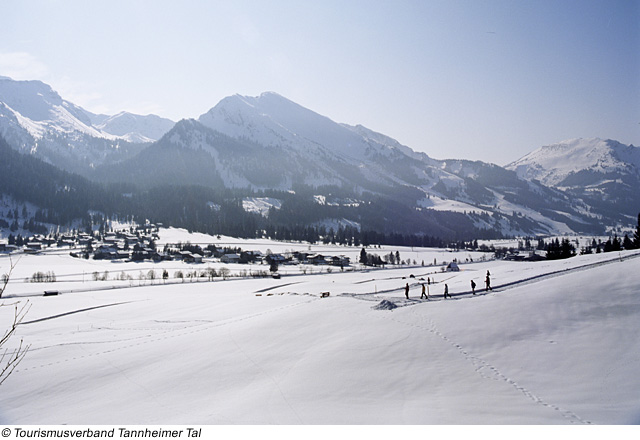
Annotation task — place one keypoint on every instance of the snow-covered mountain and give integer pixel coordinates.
(594, 169)
(134, 128)
(554, 164)
(273, 120)
(270, 142)
(37, 120)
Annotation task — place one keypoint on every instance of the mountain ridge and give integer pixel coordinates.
(269, 142)
(35, 119)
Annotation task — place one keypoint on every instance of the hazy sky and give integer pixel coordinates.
(481, 80)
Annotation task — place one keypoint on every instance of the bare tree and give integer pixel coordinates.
(6, 276)
(10, 358)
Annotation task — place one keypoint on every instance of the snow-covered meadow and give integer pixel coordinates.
(553, 343)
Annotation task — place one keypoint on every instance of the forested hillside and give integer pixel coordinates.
(62, 197)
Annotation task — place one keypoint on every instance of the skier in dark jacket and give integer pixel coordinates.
(424, 292)
(473, 287)
(446, 291)
(406, 290)
(487, 282)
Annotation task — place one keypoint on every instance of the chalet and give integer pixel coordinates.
(535, 257)
(110, 238)
(188, 257)
(230, 258)
(65, 242)
(519, 256)
(84, 241)
(121, 255)
(300, 256)
(340, 260)
(161, 256)
(34, 246)
(8, 248)
(105, 252)
(250, 256)
(316, 259)
(181, 255)
(48, 241)
(453, 267)
(277, 258)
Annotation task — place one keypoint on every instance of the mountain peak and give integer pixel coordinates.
(551, 164)
(268, 94)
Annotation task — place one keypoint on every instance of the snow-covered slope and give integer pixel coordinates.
(136, 128)
(271, 119)
(559, 346)
(604, 173)
(272, 142)
(39, 109)
(552, 164)
(37, 120)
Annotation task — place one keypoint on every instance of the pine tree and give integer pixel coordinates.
(363, 256)
(636, 235)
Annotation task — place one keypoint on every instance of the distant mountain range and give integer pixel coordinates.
(36, 120)
(269, 143)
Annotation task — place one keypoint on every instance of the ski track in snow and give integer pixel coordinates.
(276, 287)
(46, 318)
(173, 333)
(482, 367)
(402, 302)
(495, 374)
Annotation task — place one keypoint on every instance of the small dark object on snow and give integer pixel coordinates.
(276, 276)
(324, 294)
(412, 276)
(51, 292)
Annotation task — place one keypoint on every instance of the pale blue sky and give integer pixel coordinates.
(481, 80)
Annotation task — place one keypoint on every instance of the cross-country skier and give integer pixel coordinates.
(473, 287)
(487, 282)
(406, 290)
(424, 292)
(446, 291)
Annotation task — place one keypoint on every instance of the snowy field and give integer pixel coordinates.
(553, 343)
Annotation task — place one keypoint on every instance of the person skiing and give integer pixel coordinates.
(406, 290)
(487, 282)
(424, 292)
(473, 287)
(446, 291)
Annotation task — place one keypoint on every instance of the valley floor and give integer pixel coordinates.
(552, 343)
